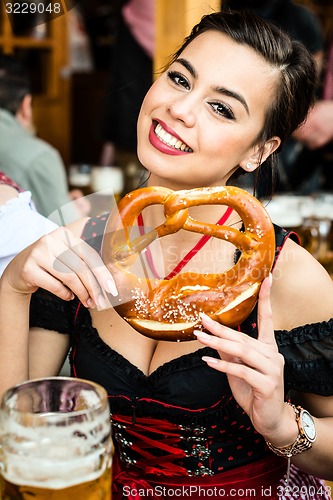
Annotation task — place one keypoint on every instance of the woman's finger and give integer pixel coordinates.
(265, 316)
(241, 352)
(76, 265)
(92, 260)
(63, 265)
(259, 382)
(226, 333)
(79, 284)
(74, 271)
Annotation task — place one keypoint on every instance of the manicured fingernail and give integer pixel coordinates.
(102, 302)
(200, 333)
(207, 318)
(211, 361)
(270, 279)
(90, 303)
(111, 287)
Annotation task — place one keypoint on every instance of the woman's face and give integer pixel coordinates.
(200, 119)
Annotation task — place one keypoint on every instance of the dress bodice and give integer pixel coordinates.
(185, 391)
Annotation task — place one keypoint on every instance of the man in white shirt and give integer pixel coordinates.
(20, 223)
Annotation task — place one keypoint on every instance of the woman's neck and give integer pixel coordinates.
(155, 180)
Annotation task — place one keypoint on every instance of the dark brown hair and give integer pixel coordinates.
(295, 87)
(14, 83)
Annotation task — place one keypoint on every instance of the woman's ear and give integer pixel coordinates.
(259, 154)
(24, 113)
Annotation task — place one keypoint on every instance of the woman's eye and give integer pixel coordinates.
(178, 79)
(223, 110)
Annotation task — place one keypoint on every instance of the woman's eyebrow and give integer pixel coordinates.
(219, 90)
(234, 95)
(188, 66)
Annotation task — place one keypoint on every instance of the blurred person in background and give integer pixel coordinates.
(316, 135)
(31, 162)
(303, 25)
(20, 223)
(131, 75)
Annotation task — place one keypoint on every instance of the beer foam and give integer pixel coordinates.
(89, 398)
(43, 439)
(51, 456)
(54, 473)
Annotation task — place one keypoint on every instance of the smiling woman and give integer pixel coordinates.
(206, 116)
(214, 411)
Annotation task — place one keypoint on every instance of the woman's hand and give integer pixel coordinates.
(317, 130)
(65, 265)
(254, 368)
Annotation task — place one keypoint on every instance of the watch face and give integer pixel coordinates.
(308, 425)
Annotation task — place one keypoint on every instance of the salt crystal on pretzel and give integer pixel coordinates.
(169, 309)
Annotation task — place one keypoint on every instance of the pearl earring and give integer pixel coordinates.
(249, 166)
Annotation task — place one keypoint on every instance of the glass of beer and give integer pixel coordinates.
(55, 441)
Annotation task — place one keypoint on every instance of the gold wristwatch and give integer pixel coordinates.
(306, 435)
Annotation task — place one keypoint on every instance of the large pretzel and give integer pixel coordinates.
(169, 309)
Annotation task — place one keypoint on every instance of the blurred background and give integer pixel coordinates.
(70, 58)
(90, 63)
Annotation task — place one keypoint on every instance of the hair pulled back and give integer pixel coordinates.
(296, 68)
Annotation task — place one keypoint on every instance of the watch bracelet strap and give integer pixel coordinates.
(298, 446)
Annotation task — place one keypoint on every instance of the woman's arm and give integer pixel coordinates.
(7, 193)
(318, 461)
(43, 344)
(14, 338)
(302, 292)
(64, 265)
(305, 292)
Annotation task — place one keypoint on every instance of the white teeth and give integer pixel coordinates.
(170, 140)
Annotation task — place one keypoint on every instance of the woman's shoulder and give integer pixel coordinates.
(302, 290)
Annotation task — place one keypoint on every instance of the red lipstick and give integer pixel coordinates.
(160, 145)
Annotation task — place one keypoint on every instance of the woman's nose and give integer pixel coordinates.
(183, 109)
